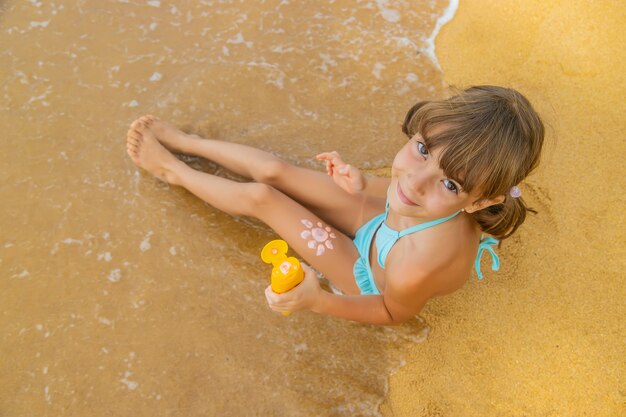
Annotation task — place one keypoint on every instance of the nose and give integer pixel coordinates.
(420, 181)
(417, 183)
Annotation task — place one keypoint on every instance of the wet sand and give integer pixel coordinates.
(545, 335)
(122, 296)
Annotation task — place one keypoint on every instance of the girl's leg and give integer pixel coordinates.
(313, 189)
(325, 248)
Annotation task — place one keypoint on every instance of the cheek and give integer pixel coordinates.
(444, 203)
(403, 159)
(437, 202)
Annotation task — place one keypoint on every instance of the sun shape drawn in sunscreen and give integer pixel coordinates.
(317, 238)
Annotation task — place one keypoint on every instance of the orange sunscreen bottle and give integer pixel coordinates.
(287, 272)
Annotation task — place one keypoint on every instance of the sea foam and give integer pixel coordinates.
(447, 15)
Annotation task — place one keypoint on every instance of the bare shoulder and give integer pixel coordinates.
(407, 291)
(429, 263)
(436, 262)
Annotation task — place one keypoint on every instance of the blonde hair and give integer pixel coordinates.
(491, 139)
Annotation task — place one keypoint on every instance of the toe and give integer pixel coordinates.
(144, 130)
(141, 127)
(134, 137)
(135, 123)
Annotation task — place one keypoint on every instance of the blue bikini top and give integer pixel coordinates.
(386, 237)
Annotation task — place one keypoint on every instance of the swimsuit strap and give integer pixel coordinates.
(386, 237)
(486, 244)
(420, 226)
(426, 225)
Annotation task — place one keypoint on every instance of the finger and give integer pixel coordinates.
(324, 156)
(334, 156)
(337, 161)
(328, 155)
(310, 275)
(269, 295)
(275, 301)
(327, 158)
(352, 172)
(329, 167)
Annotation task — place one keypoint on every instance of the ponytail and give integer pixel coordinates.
(502, 220)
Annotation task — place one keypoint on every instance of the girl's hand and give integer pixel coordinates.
(302, 297)
(345, 176)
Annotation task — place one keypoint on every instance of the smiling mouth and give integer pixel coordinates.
(406, 200)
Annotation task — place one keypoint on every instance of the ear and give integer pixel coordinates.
(484, 203)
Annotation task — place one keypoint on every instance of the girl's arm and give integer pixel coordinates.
(395, 307)
(351, 179)
(368, 309)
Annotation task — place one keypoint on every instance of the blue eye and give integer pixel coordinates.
(450, 186)
(421, 148)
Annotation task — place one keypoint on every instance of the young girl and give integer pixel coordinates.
(389, 244)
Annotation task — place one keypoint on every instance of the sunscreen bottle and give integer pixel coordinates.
(286, 271)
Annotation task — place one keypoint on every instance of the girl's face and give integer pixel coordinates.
(419, 187)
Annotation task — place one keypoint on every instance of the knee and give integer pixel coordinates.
(272, 171)
(258, 196)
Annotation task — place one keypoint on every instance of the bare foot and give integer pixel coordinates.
(172, 138)
(149, 154)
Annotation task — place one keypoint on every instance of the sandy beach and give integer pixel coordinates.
(545, 335)
(123, 296)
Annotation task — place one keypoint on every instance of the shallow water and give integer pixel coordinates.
(122, 295)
